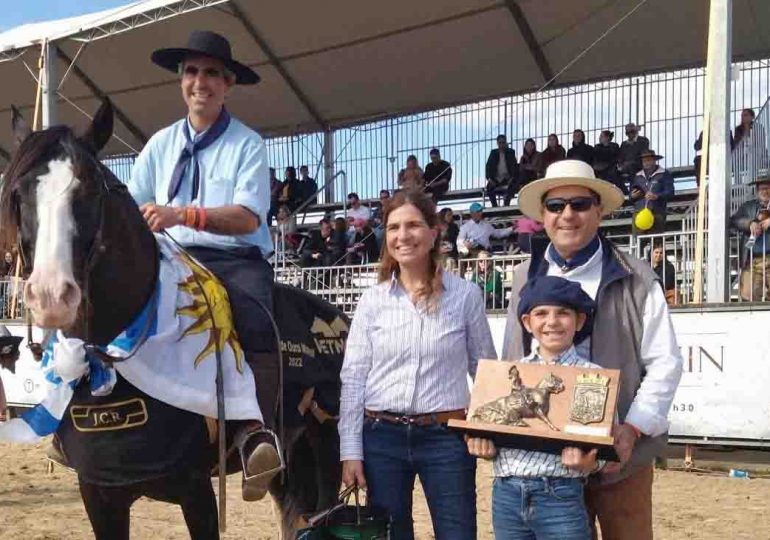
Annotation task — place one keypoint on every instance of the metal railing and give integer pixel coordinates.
(343, 285)
(10, 287)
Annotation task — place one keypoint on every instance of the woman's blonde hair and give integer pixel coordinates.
(429, 294)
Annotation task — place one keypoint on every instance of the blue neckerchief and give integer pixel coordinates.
(188, 154)
(580, 258)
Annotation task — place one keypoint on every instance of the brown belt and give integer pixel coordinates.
(429, 419)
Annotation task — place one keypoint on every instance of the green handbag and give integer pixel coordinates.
(347, 522)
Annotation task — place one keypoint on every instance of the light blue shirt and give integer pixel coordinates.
(233, 170)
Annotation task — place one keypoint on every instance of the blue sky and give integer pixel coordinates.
(17, 12)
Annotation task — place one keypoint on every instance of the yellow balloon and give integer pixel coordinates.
(644, 220)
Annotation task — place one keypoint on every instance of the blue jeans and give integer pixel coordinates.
(394, 454)
(539, 508)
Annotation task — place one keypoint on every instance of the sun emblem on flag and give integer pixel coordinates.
(218, 321)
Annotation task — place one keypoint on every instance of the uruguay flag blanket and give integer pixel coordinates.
(172, 347)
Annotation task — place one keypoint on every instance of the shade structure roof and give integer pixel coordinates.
(330, 64)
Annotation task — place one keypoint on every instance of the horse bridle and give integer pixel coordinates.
(98, 247)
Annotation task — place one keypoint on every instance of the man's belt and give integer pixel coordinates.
(429, 419)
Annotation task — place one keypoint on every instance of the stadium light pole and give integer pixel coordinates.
(718, 65)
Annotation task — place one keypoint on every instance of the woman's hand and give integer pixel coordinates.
(575, 458)
(481, 448)
(353, 473)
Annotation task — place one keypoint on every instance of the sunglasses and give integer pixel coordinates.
(578, 204)
(211, 73)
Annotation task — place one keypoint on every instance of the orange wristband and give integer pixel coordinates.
(189, 219)
(201, 219)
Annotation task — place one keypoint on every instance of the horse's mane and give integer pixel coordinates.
(39, 147)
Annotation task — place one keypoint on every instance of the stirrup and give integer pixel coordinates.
(244, 458)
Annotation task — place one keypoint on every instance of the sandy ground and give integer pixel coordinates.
(35, 505)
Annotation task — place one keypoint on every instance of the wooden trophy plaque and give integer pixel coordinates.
(543, 407)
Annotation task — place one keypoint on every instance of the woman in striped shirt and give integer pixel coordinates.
(415, 338)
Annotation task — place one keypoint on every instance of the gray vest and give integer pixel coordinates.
(615, 342)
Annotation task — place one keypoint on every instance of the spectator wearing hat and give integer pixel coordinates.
(630, 157)
(416, 336)
(579, 149)
(557, 313)
(652, 188)
(437, 175)
(411, 177)
(501, 170)
(475, 233)
(553, 152)
(752, 221)
(632, 332)
(527, 164)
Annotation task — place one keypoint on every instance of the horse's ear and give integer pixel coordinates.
(99, 132)
(19, 127)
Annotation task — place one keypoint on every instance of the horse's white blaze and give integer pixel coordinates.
(52, 293)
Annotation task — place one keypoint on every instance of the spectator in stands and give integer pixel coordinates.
(308, 186)
(570, 202)
(630, 160)
(411, 177)
(276, 186)
(752, 220)
(475, 233)
(363, 249)
(652, 188)
(318, 249)
(393, 412)
(285, 231)
(448, 238)
(340, 241)
(291, 194)
(665, 271)
(489, 279)
(501, 170)
(553, 153)
(356, 210)
(8, 267)
(606, 155)
(698, 146)
(377, 213)
(746, 127)
(528, 164)
(437, 175)
(580, 150)
(527, 231)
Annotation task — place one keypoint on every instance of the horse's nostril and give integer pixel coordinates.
(70, 294)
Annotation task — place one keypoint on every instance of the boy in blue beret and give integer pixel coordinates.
(538, 495)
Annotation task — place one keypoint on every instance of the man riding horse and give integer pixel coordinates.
(204, 180)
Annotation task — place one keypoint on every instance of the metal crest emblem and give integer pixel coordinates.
(590, 398)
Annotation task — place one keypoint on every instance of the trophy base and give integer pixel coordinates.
(526, 438)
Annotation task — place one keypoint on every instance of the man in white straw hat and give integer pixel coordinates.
(632, 332)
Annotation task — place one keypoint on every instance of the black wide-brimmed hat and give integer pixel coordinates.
(9, 344)
(206, 43)
(762, 178)
(650, 153)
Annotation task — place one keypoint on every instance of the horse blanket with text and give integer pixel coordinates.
(171, 345)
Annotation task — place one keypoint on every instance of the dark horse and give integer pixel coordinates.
(93, 265)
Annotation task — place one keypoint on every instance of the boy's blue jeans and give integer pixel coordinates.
(539, 508)
(394, 454)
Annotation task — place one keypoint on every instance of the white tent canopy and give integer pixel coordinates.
(330, 64)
